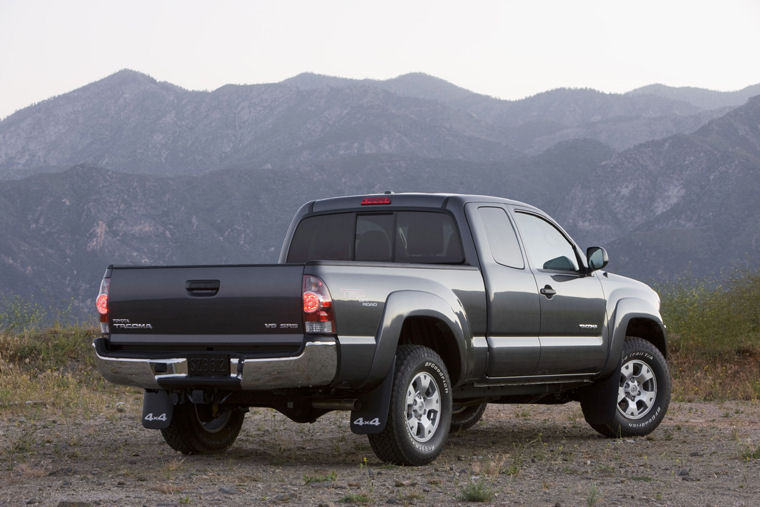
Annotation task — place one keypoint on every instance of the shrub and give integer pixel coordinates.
(477, 491)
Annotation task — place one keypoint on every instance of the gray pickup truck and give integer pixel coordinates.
(413, 311)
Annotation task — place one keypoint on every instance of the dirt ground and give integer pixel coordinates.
(702, 454)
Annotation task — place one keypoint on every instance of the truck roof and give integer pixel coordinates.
(406, 200)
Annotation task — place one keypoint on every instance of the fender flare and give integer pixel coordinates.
(627, 309)
(403, 304)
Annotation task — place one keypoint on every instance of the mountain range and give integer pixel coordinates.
(129, 170)
(129, 122)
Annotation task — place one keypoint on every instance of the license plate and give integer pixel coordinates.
(208, 366)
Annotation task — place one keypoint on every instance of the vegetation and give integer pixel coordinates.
(329, 477)
(355, 498)
(714, 338)
(16, 314)
(54, 367)
(751, 453)
(592, 497)
(477, 491)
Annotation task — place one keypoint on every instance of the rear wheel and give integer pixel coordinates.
(643, 393)
(198, 429)
(420, 409)
(466, 416)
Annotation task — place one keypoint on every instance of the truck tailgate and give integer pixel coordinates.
(214, 305)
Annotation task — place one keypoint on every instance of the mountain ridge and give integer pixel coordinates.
(701, 97)
(679, 205)
(699, 192)
(130, 122)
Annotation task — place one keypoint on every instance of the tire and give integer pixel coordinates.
(466, 417)
(420, 409)
(643, 393)
(203, 429)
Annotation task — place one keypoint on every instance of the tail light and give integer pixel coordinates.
(101, 302)
(318, 316)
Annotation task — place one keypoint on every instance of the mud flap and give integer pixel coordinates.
(158, 409)
(597, 412)
(372, 414)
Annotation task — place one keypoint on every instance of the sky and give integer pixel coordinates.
(506, 49)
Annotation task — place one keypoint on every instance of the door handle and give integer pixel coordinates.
(548, 291)
(202, 288)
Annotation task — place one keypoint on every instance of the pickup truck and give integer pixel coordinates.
(412, 311)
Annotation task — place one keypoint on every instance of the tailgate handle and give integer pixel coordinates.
(202, 288)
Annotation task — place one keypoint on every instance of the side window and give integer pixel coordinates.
(374, 234)
(427, 237)
(323, 237)
(545, 246)
(501, 237)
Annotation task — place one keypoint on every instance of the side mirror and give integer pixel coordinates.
(597, 258)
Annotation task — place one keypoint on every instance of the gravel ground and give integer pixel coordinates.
(702, 454)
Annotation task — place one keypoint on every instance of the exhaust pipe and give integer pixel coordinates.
(351, 404)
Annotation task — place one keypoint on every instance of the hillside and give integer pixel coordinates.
(129, 122)
(62, 229)
(680, 205)
(536, 123)
(700, 97)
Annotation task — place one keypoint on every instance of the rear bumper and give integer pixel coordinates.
(316, 365)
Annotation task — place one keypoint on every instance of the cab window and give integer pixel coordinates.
(546, 247)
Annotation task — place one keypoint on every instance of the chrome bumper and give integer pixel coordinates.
(315, 366)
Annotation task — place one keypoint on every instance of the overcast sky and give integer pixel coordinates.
(507, 49)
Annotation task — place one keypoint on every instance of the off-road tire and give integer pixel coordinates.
(640, 360)
(396, 444)
(466, 417)
(188, 434)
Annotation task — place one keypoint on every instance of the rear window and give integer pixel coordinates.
(427, 237)
(324, 237)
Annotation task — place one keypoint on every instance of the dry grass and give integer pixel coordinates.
(477, 491)
(714, 339)
(701, 378)
(55, 369)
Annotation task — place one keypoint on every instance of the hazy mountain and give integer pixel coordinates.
(214, 177)
(415, 84)
(535, 123)
(60, 230)
(700, 97)
(563, 106)
(685, 204)
(132, 123)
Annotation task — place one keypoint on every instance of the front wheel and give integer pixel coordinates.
(199, 429)
(642, 396)
(420, 409)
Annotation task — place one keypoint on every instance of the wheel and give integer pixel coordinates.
(420, 409)
(643, 393)
(198, 429)
(464, 417)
